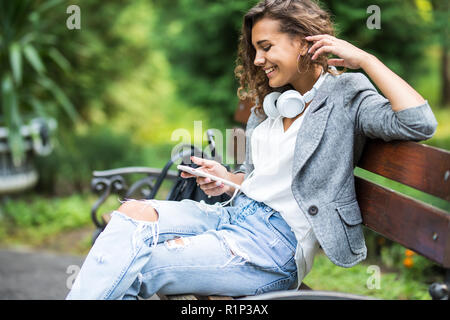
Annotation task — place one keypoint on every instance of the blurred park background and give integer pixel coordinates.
(135, 71)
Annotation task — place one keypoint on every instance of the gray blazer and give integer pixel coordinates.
(345, 112)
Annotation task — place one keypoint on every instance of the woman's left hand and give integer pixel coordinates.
(349, 56)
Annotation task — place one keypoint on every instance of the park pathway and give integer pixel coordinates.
(35, 275)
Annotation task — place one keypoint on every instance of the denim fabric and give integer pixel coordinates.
(244, 249)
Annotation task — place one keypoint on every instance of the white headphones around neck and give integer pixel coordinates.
(290, 103)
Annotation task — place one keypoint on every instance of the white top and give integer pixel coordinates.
(270, 182)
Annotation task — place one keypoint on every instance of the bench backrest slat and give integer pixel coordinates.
(242, 112)
(416, 165)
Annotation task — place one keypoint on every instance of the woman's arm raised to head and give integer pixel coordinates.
(399, 93)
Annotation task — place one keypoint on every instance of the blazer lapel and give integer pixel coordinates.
(313, 127)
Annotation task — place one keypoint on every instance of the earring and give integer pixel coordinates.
(298, 61)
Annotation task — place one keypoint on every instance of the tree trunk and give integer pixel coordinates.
(445, 77)
(440, 16)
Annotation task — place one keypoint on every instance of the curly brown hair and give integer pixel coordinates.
(296, 18)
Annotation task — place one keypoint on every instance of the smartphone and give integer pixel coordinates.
(203, 174)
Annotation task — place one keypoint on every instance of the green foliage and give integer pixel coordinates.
(122, 77)
(30, 60)
(69, 168)
(109, 46)
(422, 269)
(401, 41)
(38, 212)
(200, 39)
(428, 84)
(438, 15)
(34, 218)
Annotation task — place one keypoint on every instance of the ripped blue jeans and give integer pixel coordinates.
(244, 249)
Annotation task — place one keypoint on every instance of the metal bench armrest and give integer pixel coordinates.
(113, 181)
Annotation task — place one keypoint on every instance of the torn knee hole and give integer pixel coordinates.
(139, 210)
(177, 243)
(235, 250)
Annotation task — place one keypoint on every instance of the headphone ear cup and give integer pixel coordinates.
(269, 105)
(290, 104)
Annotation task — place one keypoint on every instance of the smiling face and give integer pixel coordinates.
(276, 53)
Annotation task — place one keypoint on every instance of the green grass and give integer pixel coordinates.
(392, 285)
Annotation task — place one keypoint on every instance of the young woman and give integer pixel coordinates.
(297, 188)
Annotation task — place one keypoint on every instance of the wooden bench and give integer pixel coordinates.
(417, 226)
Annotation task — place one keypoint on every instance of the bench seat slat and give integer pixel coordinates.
(402, 219)
(178, 297)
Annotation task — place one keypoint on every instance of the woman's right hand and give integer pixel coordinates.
(211, 188)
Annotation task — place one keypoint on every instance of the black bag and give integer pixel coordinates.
(186, 188)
